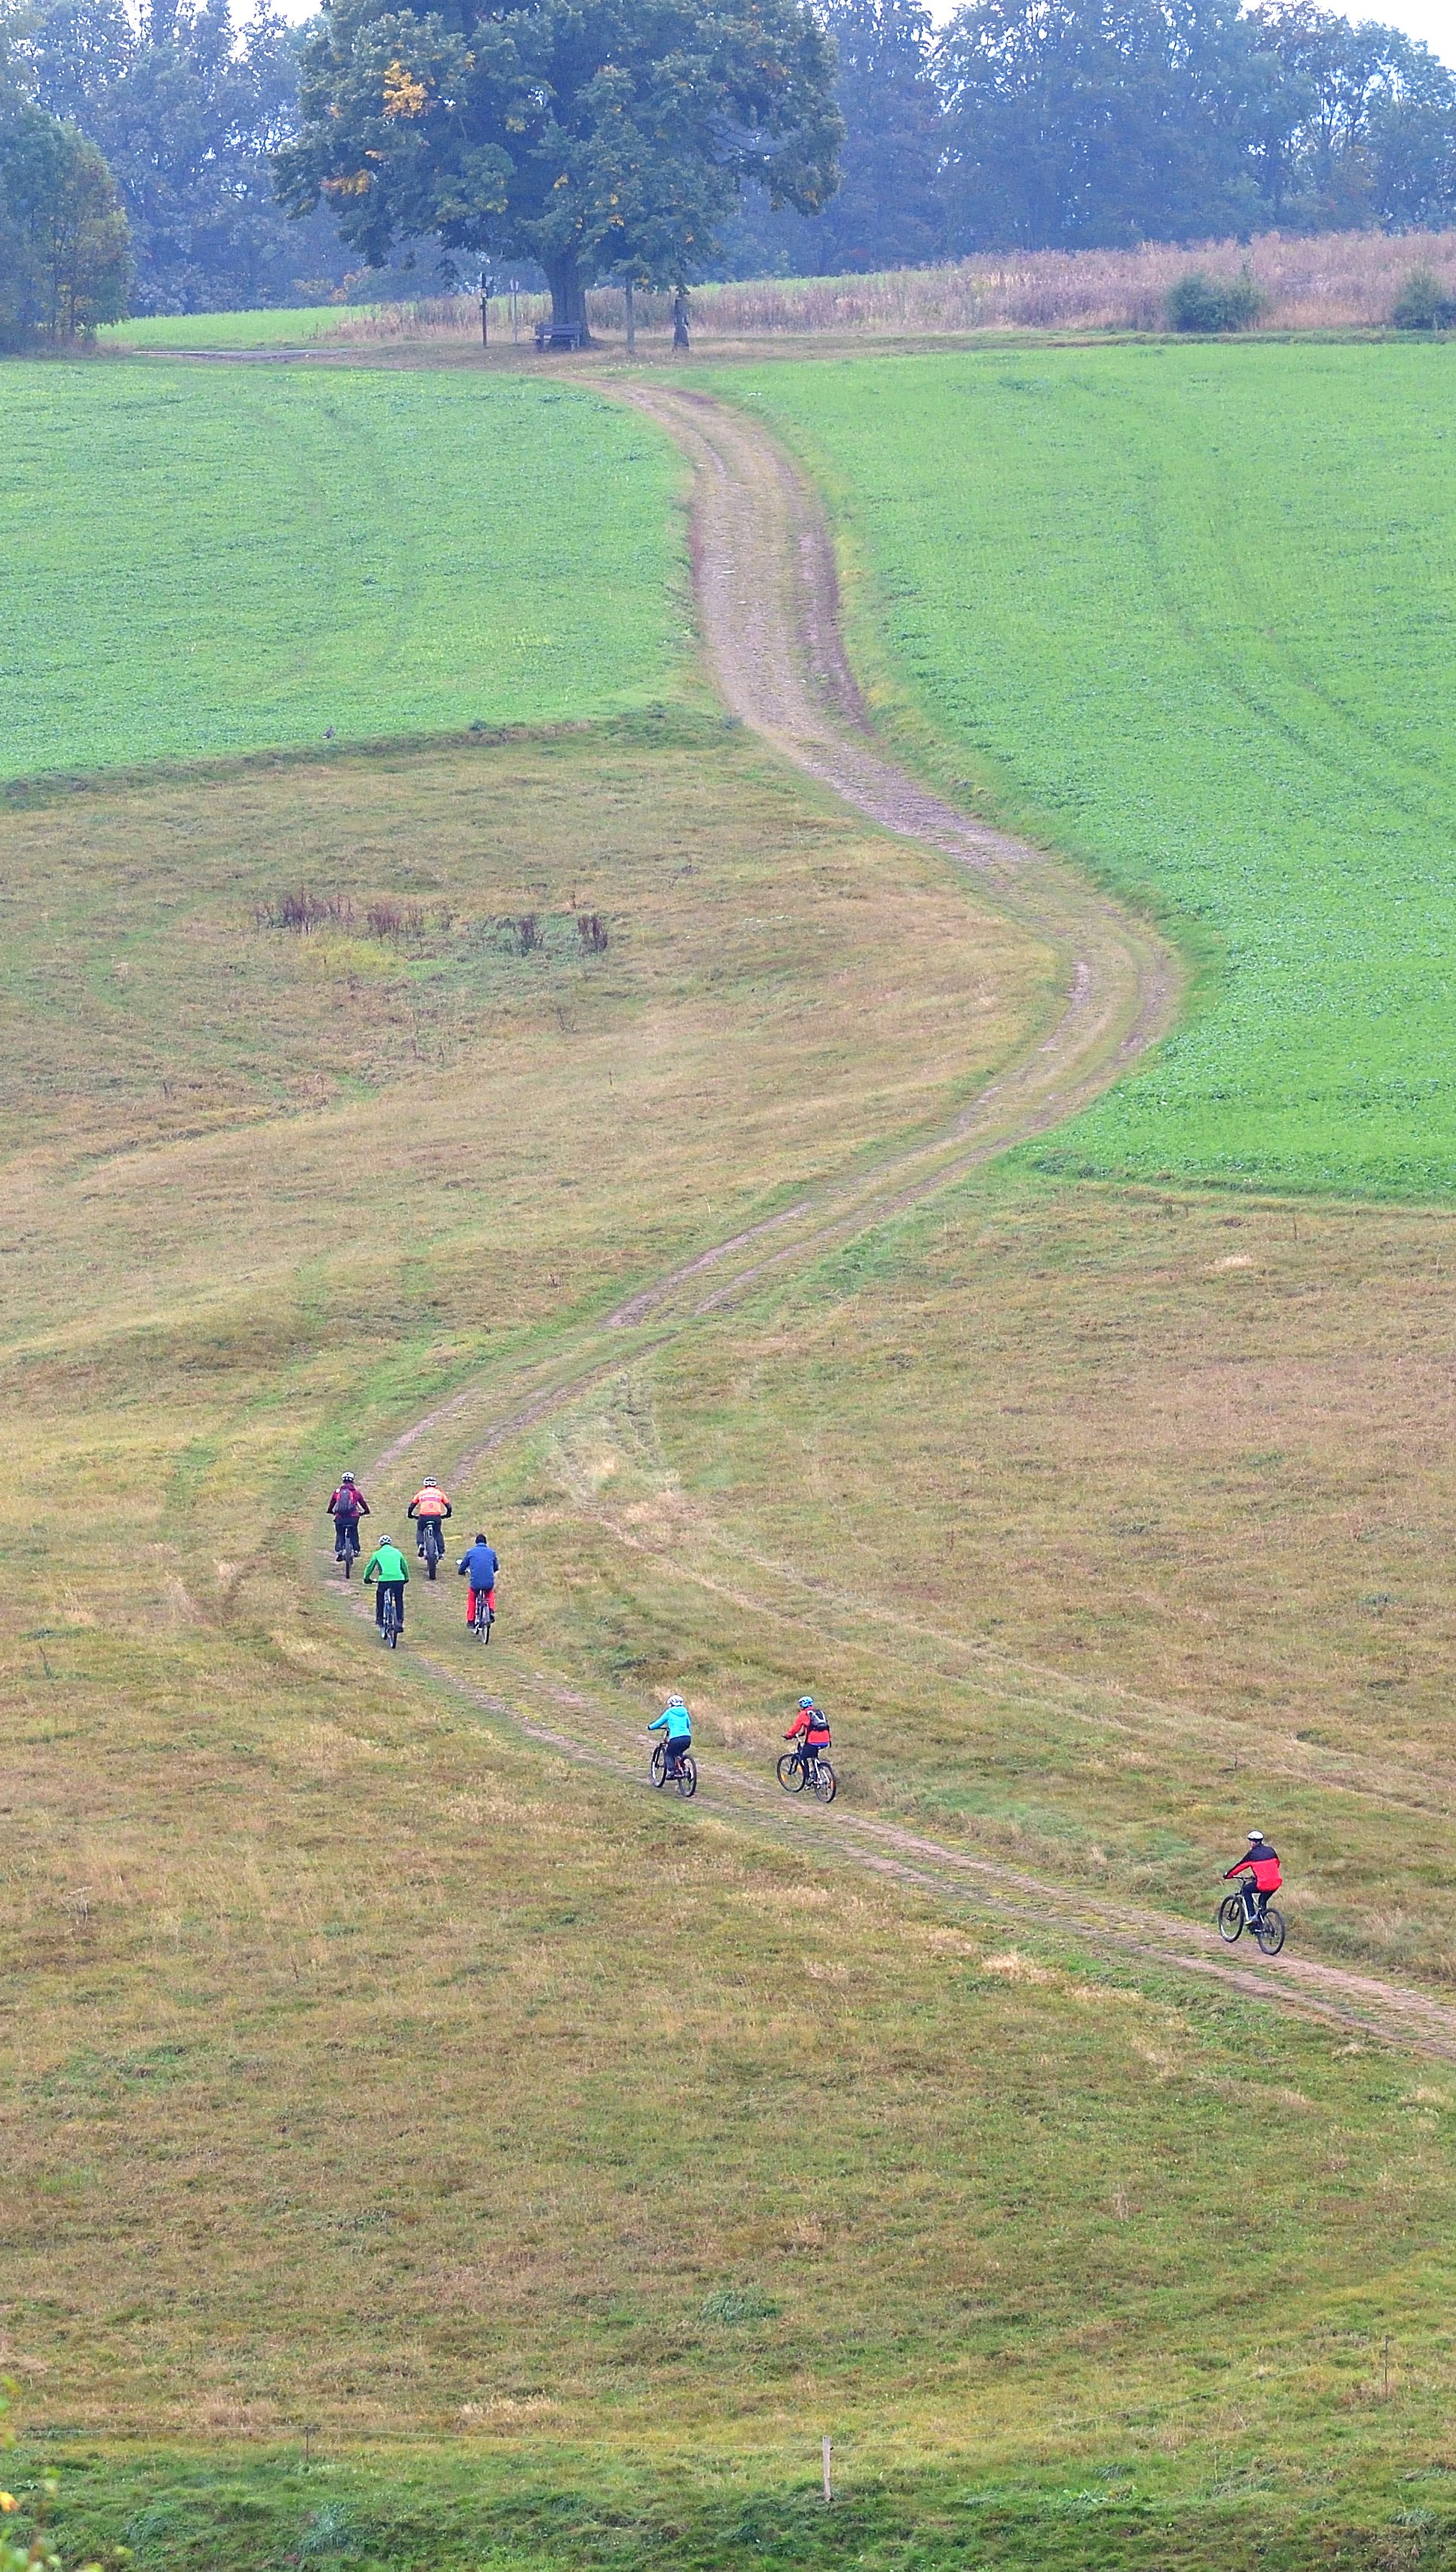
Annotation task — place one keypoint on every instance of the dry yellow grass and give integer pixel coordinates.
(365, 2065)
(1312, 281)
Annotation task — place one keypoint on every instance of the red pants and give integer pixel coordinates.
(470, 1604)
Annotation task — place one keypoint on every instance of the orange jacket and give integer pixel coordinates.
(429, 1503)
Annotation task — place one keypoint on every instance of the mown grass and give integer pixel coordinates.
(239, 558)
(1186, 612)
(370, 2068)
(273, 329)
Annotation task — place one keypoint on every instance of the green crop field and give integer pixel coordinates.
(270, 328)
(1190, 612)
(221, 560)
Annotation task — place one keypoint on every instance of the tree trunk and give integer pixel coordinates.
(569, 297)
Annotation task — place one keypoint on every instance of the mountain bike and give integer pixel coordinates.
(433, 1546)
(483, 1619)
(390, 1621)
(1240, 1911)
(685, 1775)
(800, 1768)
(346, 1547)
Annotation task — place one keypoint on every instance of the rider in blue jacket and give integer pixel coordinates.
(675, 1721)
(479, 1566)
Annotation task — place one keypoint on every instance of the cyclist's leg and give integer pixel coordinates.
(399, 1604)
(380, 1588)
(470, 1606)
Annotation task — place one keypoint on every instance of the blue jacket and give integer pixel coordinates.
(480, 1567)
(677, 1720)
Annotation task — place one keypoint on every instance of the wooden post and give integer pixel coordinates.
(828, 2447)
(485, 313)
(630, 293)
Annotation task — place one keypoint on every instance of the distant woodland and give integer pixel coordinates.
(1022, 124)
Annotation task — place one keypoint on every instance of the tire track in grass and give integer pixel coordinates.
(1004, 1898)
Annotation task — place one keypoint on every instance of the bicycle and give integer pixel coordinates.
(800, 1768)
(346, 1549)
(390, 1621)
(685, 1773)
(433, 1546)
(1240, 1911)
(483, 1619)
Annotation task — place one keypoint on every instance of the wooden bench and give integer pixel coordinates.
(558, 335)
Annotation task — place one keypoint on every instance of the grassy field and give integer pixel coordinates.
(203, 562)
(1187, 611)
(569, 2162)
(263, 330)
(423, 2150)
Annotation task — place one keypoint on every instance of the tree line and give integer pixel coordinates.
(191, 162)
(1098, 124)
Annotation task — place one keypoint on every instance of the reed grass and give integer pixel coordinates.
(1321, 282)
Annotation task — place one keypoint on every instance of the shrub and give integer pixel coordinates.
(592, 931)
(528, 933)
(303, 910)
(1197, 302)
(1424, 304)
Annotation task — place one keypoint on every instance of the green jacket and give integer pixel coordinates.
(388, 1563)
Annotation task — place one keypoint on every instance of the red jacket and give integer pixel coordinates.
(813, 1727)
(1262, 1865)
(350, 1503)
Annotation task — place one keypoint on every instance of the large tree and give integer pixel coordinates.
(887, 212)
(189, 111)
(1078, 123)
(1359, 127)
(595, 136)
(65, 261)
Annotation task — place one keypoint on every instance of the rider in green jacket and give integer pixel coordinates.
(387, 1565)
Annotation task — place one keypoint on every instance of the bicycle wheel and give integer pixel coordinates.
(432, 1555)
(827, 1784)
(687, 1778)
(657, 1767)
(791, 1772)
(1231, 1919)
(1269, 1929)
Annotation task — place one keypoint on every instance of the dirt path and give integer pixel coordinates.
(1005, 1896)
(765, 575)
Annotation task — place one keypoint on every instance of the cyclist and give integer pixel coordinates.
(479, 1566)
(387, 1565)
(346, 1506)
(429, 1503)
(1261, 1866)
(676, 1723)
(811, 1730)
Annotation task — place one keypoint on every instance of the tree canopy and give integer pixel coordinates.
(65, 257)
(593, 137)
(1078, 123)
(189, 112)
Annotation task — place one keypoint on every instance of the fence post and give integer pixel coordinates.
(630, 319)
(828, 2446)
